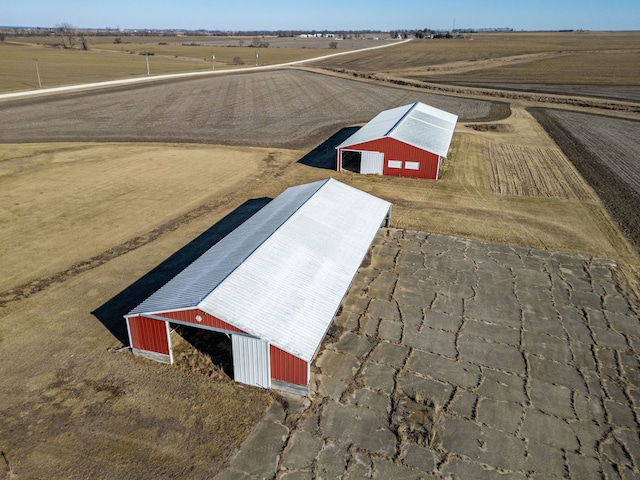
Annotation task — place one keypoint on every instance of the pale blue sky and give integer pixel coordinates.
(325, 14)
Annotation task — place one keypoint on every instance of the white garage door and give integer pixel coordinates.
(251, 361)
(371, 162)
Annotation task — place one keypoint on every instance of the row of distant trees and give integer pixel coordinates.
(71, 36)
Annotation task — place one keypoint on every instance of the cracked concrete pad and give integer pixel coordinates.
(338, 365)
(525, 383)
(358, 426)
(448, 370)
(390, 331)
(354, 344)
(379, 377)
(421, 458)
(491, 331)
(556, 373)
(329, 387)
(413, 385)
(383, 309)
(552, 399)
(502, 386)
(385, 470)
(503, 416)
(434, 341)
(539, 427)
(362, 397)
(259, 455)
(301, 451)
(491, 354)
(494, 308)
(443, 321)
(389, 354)
(332, 461)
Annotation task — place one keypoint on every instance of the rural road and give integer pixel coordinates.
(173, 76)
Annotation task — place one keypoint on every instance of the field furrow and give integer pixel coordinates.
(281, 109)
(534, 171)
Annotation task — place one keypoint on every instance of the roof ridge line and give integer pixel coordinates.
(244, 259)
(401, 119)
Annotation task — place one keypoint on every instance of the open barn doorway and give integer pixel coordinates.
(351, 161)
(205, 351)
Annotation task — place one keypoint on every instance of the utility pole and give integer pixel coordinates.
(38, 73)
(147, 58)
(213, 59)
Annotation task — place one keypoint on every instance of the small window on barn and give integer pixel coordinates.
(412, 165)
(395, 164)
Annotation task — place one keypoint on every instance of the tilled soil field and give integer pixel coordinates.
(278, 109)
(616, 92)
(534, 171)
(605, 152)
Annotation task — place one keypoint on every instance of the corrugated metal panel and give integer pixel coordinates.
(251, 361)
(199, 318)
(287, 368)
(371, 162)
(148, 334)
(420, 125)
(195, 282)
(378, 127)
(288, 290)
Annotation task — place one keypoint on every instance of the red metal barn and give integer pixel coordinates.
(273, 285)
(408, 141)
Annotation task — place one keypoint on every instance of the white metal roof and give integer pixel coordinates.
(282, 274)
(420, 125)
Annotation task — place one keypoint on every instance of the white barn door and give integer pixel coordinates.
(251, 361)
(371, 162)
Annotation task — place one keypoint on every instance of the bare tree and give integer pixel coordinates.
(67, 33)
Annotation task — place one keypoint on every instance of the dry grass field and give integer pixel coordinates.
(107, 60)
(477, 52)
(88, 227)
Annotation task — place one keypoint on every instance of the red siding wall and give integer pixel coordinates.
(395, 150)
(149, 334)
(287, 368)
(189, 316)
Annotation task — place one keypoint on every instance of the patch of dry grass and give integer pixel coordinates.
(577, 68)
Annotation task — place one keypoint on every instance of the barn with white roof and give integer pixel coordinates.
(408, 141)
(274, 284)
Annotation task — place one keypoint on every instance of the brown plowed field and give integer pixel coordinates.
(605, 152)
(534, 171)
(279, 109)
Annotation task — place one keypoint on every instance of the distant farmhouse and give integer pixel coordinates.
(408, 141)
